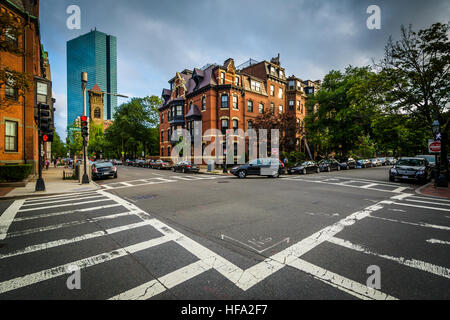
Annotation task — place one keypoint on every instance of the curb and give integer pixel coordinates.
(419, 191)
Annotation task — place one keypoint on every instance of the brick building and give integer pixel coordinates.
(224, 97)
(18, 132)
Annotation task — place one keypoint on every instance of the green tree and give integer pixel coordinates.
(59, 148)
(418, 68)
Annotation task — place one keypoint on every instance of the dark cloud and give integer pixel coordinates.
(157, 38)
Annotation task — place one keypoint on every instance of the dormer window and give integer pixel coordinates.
(256, 86)
(236, 81)
(222, 78)
(203, 103)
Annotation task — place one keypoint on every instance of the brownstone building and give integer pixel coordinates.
(224, 97)
(18, 131)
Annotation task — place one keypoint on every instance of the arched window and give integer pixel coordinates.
(97, 113)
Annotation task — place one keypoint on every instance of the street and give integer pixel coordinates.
(153, 234)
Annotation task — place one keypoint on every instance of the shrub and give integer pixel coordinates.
(14, 173)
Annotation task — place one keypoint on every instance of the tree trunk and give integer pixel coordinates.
(444, 158)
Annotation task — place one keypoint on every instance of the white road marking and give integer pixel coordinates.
(434, 241)
(26, 204)
(157, 286)
(254, 249)
(429, 202)
(368, 186)
(57, 243)
(413, 263)
(344, 284)
(401, 196)
(62, 196)
(65, 225)
(8, 217)
(431, 198)
(64, 205)
(47, 215)
(419, 224)
(400, 190)
(51, 273)
(422, 207)
(127, 184)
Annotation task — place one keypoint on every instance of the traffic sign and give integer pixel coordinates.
(434, 147)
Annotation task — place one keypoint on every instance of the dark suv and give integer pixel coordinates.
(416, 169)
(269, 167)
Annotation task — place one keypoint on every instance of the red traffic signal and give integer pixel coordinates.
(83, 118)
(45, 138)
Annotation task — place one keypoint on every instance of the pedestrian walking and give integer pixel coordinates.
(47, 164)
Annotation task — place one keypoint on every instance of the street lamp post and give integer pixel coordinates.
(440, 179)
(84, 80)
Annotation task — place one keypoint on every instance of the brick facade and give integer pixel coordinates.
(20, 111)
(223, 94)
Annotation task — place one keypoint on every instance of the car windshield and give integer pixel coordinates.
(411, 162)
(104, 165)
(431, 159)
(305, 163)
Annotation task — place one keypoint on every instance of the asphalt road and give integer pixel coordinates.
(154, 234)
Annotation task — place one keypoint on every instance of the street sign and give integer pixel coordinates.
(434, 147)
(275, 151)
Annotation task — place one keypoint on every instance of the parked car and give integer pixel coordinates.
(129, 162)
(415, 169)
(185, 167)
(392, 161)
(103, 170)
(376, 162)
(161, 165)
(304, 168)
(259, 167)
(347, 164)
(430, 158)
(148, 163)
(329, 165)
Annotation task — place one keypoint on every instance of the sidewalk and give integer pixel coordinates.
(431, 190)
(54, 184)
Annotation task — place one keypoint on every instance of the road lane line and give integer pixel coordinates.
(434, 241)
(51, 273)
(169, 281)
(65, 225)
(59, 201)
(418, 224)
(8, 217)
(47, 215)
(64, 205)
(401, 196)
(412, 263)
(62, 242)
(422, 207)
(339, 282)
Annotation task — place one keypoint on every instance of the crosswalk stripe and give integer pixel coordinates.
(434, 241)
(51, 273)
(8, 217)
(57, 243)
(400, 189)
(71, 195)
(64, 205)
(59, 201)
(344, 284)
(431, 198)
(425, 225)
(422, 207)
(413, 263)
(421, 201)
(47, 215)
(157, 286)
(65, 225)
(369, 186)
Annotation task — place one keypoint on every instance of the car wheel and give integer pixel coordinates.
(304, 171)
(276, 175)
(242, 174)
(173, 169)
(391, 179)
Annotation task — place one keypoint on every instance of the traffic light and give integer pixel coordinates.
(84, 127)
(44, 118)
(47, 137)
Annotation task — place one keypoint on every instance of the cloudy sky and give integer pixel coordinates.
(156, 38)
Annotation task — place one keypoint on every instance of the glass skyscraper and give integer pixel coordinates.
(96, 54)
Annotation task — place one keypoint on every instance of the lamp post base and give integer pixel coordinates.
(40, 185)
(442, 181)
(85, 179)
